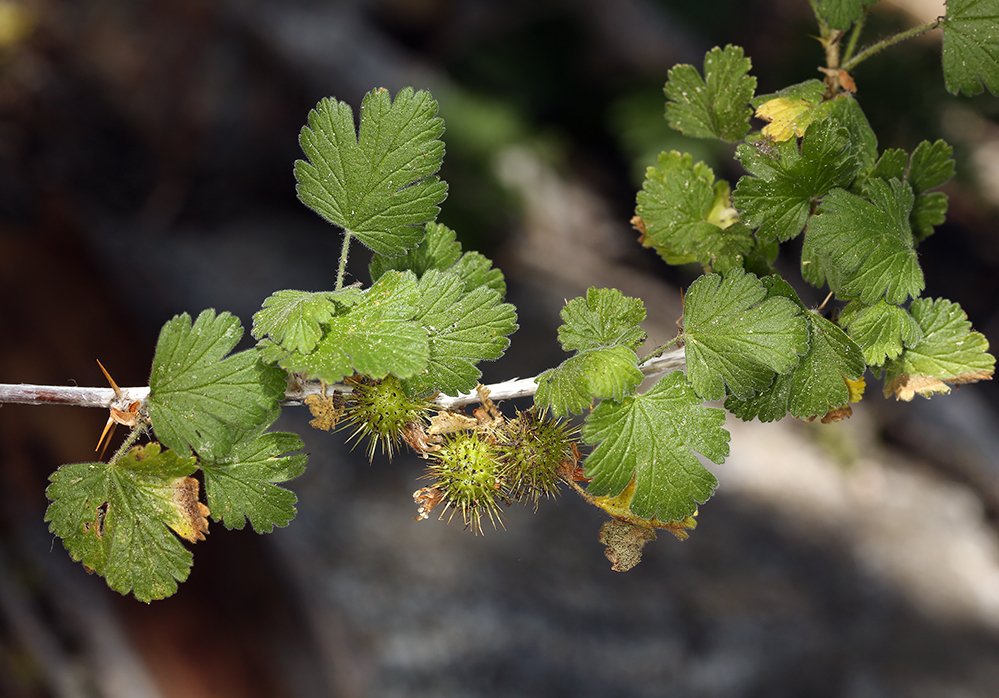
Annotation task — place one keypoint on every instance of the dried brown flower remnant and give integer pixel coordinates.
(326, 410)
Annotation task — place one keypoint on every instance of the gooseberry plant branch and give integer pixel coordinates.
(398, 361)
(661, 361)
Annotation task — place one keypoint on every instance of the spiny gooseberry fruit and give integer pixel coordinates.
(468, 472)
(534, 448)
(381, 410)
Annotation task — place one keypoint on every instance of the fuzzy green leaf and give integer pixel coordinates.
(603, 329)
(736, 336)
(882, 330)
(608, 372)
(949, 351)
(817, 384)
(778, 199)
(116, 518)
(840, 14)
(197, 398)
(606, 317)
(439, 250)
(379, 184)
(971, 46)
(810, 91)
(845, 111)
(294, 319)
(688, 217)
(241, 485)
(930, 166)
(864, 248)
(651, 438)
(376, 336)
(463, 327)
(716, 106)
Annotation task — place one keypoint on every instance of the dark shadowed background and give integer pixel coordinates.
(146, 154)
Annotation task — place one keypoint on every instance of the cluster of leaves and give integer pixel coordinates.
(212, 412)
(432, 313)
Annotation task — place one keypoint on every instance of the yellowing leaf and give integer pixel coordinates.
(856, 388)
(787, 117)
(950, 351)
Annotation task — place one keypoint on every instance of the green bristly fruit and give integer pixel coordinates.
(469, 478)
(381, 410)
(534, 448)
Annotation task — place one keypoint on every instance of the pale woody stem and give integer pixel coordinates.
(104, 397)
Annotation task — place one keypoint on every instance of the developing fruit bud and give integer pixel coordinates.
(467, 469)
(534, 448)
(383, 412)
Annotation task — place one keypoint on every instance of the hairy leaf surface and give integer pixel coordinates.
(818, 383)
(116, 518)
(864, 248)
(242, 485)
(603, 329)
(380, 183)
(439, 250)
(651, 439)
(882, 330)
(198, 397)
(716, 106)
(294, 319)
(463, 328)
(971, 46)
(736, 337)
(778, 198)
(688, 217)
(376, 336)
(841, 14)
(949, 352)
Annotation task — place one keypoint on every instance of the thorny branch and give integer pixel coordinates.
(106, 398)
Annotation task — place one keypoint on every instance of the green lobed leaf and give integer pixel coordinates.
(294, 319)
(603, 329)
(116, 518)
(845, 111)
(242, 484)
(608, 372)
(840, 14)
(817, 384)
(736, 337)
(810, 91)
(651, 438)
(606, 317)
(971, 46)
(948, 351)
(716, 106)
(439, 250)
(380, 183)
(930, 166)
(198, 397)
(882, 330)
(779, 198)
(463, 328)
(864, 247)
(376, 336)
(687, 216)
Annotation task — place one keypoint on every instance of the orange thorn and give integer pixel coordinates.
(117, 390)
(109, 427)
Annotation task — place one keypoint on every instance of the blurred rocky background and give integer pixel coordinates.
(146, 150)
